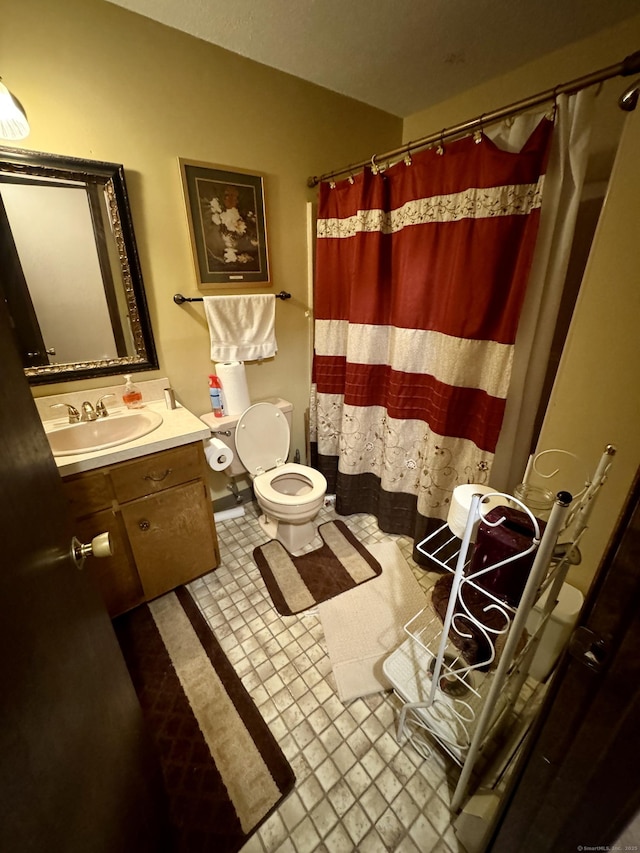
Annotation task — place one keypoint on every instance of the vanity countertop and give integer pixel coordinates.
(179, 426)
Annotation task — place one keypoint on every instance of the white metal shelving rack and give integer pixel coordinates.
(446, 699)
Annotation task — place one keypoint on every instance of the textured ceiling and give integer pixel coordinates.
(399, 55)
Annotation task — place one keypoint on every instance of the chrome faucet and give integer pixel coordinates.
(74, 414)
(88, 412)
(101, 409)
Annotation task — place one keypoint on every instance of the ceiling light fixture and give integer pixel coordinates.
(13, 119)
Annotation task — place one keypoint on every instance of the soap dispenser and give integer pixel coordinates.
(132, 395)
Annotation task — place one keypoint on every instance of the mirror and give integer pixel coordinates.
(69, 268)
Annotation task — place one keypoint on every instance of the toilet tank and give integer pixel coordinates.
(230, 422)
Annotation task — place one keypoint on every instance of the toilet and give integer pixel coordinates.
(290, 495)
(557, 631)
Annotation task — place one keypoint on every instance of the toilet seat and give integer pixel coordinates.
(263, 484)
(262, 438)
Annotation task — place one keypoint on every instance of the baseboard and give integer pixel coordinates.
(230, 501)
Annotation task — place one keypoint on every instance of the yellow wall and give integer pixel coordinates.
(103, 83)
(596, 397)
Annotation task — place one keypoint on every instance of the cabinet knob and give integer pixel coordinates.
(144, 524)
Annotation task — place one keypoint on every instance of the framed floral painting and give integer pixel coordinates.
(225, 213)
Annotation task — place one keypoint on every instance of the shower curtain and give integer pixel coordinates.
(563, 187)
(421, 272)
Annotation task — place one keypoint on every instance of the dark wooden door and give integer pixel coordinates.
(578, 785)
(76, 770)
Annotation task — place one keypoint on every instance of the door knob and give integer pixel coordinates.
(100, 546)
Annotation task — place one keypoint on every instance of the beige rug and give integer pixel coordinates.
(365, 624)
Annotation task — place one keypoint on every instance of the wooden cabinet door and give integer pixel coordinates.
(116, 577)
(88, 492)
(172, 537)
(156, 472)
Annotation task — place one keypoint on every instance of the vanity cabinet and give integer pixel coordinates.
(159, 516)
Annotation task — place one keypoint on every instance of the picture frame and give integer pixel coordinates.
(227, 224)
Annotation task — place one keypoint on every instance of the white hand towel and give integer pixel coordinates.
(242, 328)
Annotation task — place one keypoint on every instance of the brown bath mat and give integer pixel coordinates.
(209, 735)
(298, 583)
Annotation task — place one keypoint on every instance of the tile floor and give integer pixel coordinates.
(356, 788)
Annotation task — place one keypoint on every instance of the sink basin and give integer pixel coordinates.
(85, 437)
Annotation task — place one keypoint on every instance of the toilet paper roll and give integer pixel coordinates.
(235, 392)
(461, 504)
(217, 454)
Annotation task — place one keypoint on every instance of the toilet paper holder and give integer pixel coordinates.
(218, 455)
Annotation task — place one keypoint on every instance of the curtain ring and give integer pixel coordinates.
(551, 114)
(477, 134)
(332, 185)
(440, 148)
(374, 166)
(407, 157)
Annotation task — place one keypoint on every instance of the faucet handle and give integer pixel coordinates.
(74, 414)
(101, 409)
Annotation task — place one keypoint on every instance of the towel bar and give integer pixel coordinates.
(179, 298)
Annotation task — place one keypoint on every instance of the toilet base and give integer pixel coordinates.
(294, 537)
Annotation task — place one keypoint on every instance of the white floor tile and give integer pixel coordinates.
(356, 787)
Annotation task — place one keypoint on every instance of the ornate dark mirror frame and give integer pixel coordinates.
(109, 179)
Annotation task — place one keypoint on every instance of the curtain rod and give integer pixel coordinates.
(629, 65)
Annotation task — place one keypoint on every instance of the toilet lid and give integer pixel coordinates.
(262, 437)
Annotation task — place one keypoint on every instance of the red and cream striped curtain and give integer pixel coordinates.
(421, 273)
